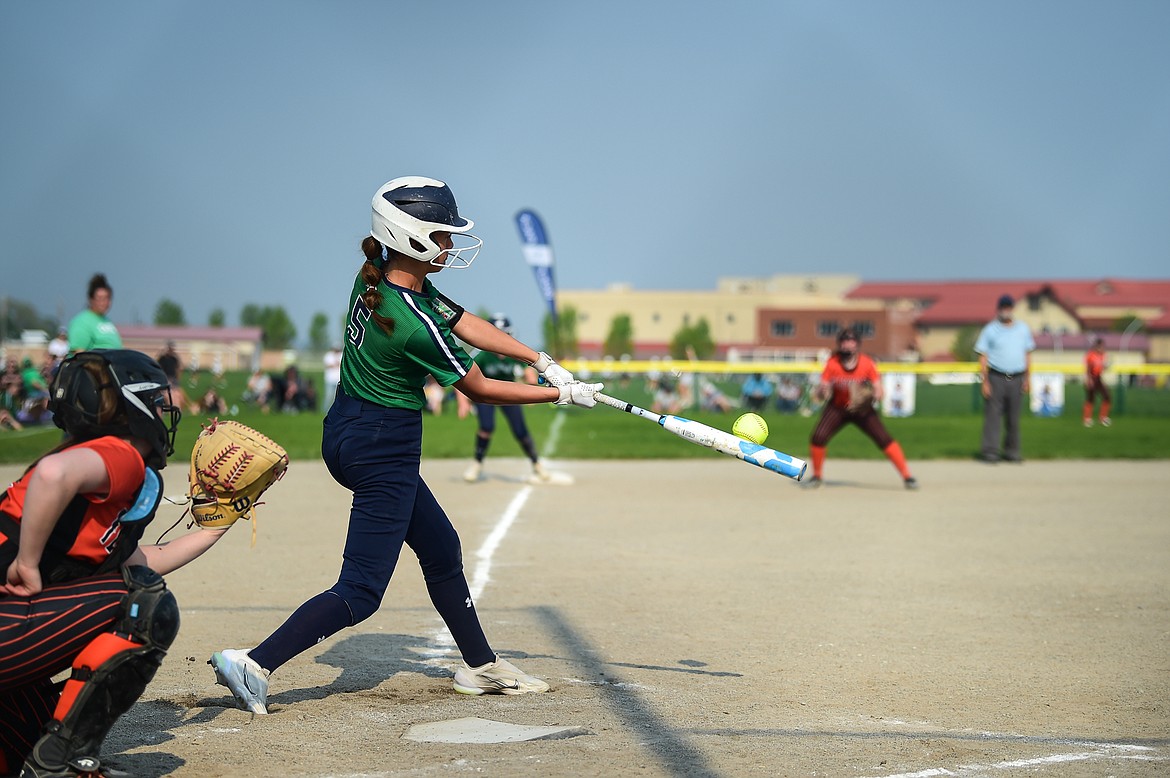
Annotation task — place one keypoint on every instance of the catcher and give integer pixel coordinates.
(78, 590)
(851, 385)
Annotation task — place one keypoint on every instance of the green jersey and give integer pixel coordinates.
(390, 369)
(89, 330)
(499, 367)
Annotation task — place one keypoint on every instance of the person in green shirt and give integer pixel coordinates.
(91, 329)
(505, 368)
(399, 329)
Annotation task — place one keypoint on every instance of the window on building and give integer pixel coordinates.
(782, 328)
(864, 329)
(828, 329)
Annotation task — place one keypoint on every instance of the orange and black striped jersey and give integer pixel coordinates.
(839, 379)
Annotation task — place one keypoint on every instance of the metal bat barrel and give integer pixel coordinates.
(726, 443)
(723, 442)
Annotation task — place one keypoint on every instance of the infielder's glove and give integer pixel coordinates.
(860, 396)
(231, 466)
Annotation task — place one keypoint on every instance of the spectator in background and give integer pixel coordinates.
(170, 363)
(259, 389)
(58, 350)
(9, 421)
(332, 373)
(34, 387)
(711, 398)
(788, 395)
(212, 403)
(1005, 364)
(757, 390)
(667, 398)
(435, 393)
(12, 386)
(297, 394)
(1095, 384)
(91, 329)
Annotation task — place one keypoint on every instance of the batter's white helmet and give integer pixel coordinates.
(409, 210)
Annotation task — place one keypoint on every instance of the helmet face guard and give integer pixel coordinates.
(116, 392)
(409, 211)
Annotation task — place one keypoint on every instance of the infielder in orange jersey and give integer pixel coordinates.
(851, 385)
(1095, 384)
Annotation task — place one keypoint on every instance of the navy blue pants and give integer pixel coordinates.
(375, 452)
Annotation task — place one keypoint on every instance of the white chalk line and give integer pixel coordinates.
(483, 558)
(442, 640)
(554, 436)
(1103, 751)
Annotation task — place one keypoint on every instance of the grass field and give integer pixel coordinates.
(947, 426)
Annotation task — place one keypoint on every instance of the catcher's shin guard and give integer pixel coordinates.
(110, 673)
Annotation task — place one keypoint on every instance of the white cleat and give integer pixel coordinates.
(542, 475)
(498, 677)
(247, 680)
(472, 473)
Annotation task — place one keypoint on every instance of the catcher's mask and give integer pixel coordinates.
(116, 392)
(409, 211)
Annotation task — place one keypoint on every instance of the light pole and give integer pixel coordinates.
(1133, 327)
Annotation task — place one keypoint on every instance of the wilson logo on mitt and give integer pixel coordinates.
(231, 467)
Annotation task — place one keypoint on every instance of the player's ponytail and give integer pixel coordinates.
(371, 274)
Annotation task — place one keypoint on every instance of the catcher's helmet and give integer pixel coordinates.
(116, 392)
(848, 334)
(407, 213)
(502, 322)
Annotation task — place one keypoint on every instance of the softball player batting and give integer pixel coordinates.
(851, 385)
(400, 329)
(79, 591)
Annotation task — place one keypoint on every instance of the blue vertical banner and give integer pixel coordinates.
(539, 256)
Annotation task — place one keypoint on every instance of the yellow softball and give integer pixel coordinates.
(751, 426)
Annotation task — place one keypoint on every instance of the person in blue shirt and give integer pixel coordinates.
(1005, 350)
(756, 392)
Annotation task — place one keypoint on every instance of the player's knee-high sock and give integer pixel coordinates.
(481, 447)
(817, 454)
(895, 455)
(529, 447)
(1105, 406)
(452, 599)
(311, 623)
(1087, 414)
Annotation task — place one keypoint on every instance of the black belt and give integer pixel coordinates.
(1008, 376)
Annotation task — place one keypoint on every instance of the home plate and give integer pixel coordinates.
(477, 730)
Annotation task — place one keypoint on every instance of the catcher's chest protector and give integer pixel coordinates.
(119, 540)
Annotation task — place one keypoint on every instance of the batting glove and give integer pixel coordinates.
(550, 371)
(579, 393)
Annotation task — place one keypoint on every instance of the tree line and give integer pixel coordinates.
(277, 330)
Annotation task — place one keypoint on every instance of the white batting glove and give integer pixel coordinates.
(579, 393)
(553, 374)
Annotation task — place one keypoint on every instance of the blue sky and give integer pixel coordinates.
(224, 153)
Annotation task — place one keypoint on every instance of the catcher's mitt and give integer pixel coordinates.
(860, 396)
(231, 466)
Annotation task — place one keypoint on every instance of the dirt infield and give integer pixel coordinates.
(702, 617)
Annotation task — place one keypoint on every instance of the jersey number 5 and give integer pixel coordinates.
(355, 329)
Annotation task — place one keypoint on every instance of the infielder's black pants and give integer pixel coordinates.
(1002, 410)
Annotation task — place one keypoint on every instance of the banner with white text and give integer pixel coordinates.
(539, 256)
